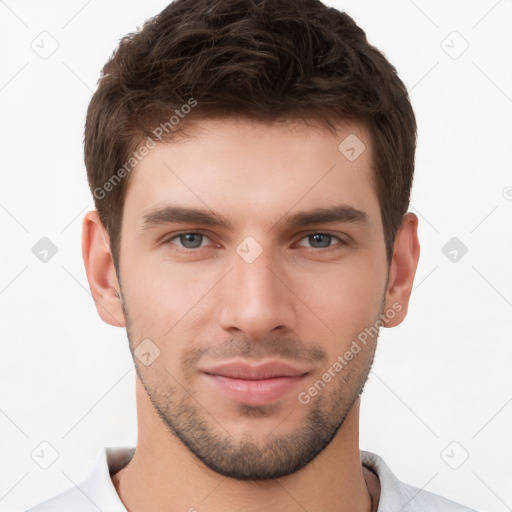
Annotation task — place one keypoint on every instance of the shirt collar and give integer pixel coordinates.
(100, 489)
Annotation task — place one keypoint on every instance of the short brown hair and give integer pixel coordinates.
(265, 60)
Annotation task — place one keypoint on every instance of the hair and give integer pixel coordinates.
(264, 60)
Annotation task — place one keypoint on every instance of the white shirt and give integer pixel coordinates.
(97, 492)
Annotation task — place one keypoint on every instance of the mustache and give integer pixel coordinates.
(280, 347)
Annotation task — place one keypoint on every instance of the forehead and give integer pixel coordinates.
(251, 169)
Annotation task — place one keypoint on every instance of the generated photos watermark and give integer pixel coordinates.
(343, 360)
(144, 149)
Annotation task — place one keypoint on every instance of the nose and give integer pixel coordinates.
(256, 298)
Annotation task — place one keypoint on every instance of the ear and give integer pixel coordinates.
(100, 270)
(402, 270)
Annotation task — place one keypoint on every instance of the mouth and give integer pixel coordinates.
(254, 385)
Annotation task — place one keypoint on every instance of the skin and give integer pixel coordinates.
(301, 300)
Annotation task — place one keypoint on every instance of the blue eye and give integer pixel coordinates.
(322, 240)
(192, 240)
(189, 240)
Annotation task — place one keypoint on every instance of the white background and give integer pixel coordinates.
(443, 375)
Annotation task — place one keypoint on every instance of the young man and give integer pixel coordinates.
(251, 163)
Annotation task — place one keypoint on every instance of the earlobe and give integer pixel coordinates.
(100, 270)
(406, 254)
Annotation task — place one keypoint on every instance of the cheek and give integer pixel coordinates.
(163, 297)
(345, 297)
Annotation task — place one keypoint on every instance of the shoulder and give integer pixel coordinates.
(97, 491)
(420, 500)
(398, 495)
(72, 499)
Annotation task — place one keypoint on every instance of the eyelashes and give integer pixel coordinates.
(191, 241)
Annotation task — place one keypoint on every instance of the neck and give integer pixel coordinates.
(164, 476)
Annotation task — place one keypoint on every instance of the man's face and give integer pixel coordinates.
(262, 289)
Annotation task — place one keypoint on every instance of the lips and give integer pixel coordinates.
(245, 371)
(254, 385)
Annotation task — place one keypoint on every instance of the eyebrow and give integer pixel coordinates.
(341, 213)
(176, 214)
(179, 214)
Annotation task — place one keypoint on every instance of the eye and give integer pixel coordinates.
(188, 240)
(323, 240)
